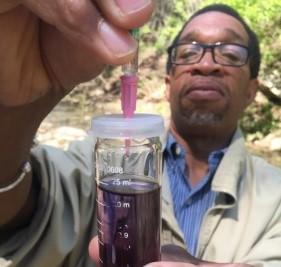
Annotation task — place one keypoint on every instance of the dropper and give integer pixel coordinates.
(129, 82)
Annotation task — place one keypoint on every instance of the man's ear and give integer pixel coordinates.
(168, 86)
(252, 91)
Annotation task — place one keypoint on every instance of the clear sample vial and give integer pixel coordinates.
(128, 161)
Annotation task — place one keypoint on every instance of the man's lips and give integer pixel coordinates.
(204, 92)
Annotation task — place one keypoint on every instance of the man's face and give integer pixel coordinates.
(206, 96)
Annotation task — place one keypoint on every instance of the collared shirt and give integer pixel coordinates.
(190, 203)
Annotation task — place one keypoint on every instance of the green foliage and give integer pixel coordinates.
(173, 20)
(258, 121)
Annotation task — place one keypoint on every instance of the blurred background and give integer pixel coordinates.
(261, 124)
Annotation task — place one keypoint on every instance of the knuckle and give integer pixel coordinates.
(70, 14)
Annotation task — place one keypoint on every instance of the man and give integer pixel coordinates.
(226, 202)
(55, 224)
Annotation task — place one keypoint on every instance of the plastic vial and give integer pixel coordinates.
(128, 188)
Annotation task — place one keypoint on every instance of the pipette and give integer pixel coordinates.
(129, 82)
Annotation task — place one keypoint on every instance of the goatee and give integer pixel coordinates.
(201, 119)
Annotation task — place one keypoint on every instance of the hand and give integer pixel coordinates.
(172, 256)
(52, 45)
(46, 48)
(183, 264)
(175, 256)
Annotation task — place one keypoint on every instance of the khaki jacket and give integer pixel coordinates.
(243, 226)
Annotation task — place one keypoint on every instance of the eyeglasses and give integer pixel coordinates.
(226, 54)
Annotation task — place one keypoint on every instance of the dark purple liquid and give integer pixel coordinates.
(128, 222)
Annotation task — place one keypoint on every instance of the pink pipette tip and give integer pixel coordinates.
(129, 85)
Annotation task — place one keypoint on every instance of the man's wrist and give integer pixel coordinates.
(23, 201)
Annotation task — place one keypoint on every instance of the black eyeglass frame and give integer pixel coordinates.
(205, 47)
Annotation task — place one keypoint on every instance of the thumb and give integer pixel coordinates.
(8, 5)
(177, 254)
(94, 250)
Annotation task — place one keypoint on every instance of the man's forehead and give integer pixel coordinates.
(214, 24)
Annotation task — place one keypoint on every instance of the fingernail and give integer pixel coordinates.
(117, 42)
(130, 6)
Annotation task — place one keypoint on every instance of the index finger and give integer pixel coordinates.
(127, 14)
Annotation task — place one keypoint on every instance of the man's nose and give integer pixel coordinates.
(207, 65)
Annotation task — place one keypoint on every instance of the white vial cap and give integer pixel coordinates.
(116, 126)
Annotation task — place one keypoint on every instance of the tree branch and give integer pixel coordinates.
(273, 98)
